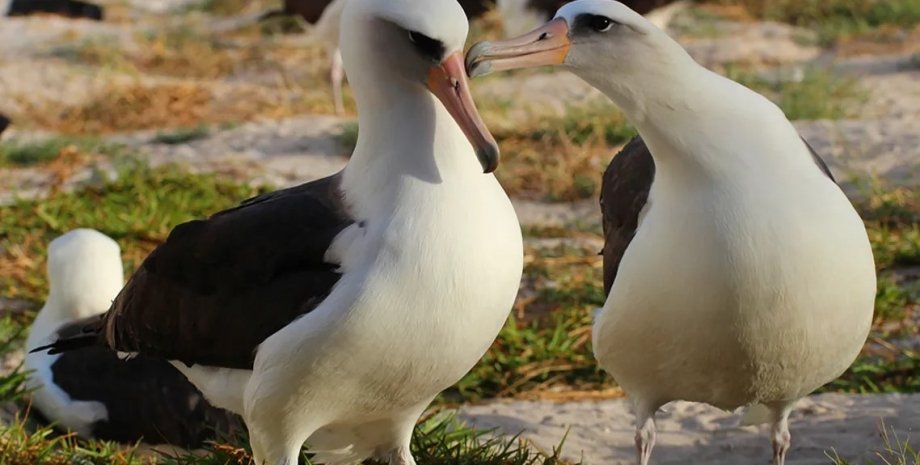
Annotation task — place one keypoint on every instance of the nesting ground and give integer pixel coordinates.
(173, 109)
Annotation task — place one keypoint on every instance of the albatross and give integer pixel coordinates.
(90, 391)
(739, 274)
(333, 312)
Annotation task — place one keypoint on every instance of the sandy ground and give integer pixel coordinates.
(602, 432)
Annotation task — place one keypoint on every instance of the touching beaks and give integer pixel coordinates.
(448, 82)
(546, 45)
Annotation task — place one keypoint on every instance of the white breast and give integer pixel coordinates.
(424, 293)
(736, 294)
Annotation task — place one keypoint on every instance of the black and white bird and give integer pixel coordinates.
(333, 312)
(68, 8)
(739, 274)
(90, 391)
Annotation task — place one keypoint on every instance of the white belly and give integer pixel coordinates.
(729, 299)
(422, 298)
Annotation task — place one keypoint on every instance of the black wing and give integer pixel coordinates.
(818, 161)
(146, 399)
(218, 287)
(4, 123)
(624, 192)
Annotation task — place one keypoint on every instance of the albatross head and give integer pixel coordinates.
(412, 46)
(85, 273)
(602, 41)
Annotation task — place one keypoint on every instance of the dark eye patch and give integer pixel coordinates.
(431, 49)
(594, 23)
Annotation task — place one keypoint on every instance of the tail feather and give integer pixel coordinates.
(75, 335)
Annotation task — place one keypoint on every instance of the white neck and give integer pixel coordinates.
(405, 135)
(696, 122)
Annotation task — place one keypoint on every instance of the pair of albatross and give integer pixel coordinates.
(332, 313)
(738, 273)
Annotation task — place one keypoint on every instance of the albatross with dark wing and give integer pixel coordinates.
(90, 391)
(739, 274)
(332, 313)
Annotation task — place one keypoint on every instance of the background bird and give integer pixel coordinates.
(90, 391)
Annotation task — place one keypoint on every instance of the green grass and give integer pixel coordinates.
(836, 19)
(220, 7)
(138, 210)
(182, 135)
(347, 137)
(18, 153)
(440, 440)
(819, 94)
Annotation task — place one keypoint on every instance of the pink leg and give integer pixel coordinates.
(645, 432)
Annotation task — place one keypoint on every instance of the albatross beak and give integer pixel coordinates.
(448, 82)
(546, 45)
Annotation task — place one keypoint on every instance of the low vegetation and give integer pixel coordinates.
(894, 450)
(834, 20)
(20, 153)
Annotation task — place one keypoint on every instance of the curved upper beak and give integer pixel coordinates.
(546, 45)
(448, 82)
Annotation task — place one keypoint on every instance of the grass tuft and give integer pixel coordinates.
(138, 210)
(895, 450)
(836, 19)
(816, 93)
(18, 153)
(182, 135)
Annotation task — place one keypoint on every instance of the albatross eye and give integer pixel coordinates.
(431, 49)
(600, 23)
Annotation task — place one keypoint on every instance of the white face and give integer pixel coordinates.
(589, 36)
(403, 37)
(414, 45)
(606, 35)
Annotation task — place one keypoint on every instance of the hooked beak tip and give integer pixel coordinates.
(475, 66)
(488, 157)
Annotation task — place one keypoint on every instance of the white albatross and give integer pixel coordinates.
(745, 277)
(332, 313)
(90, 391)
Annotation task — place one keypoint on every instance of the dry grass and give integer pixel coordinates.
(182, 104)
(558, 157)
